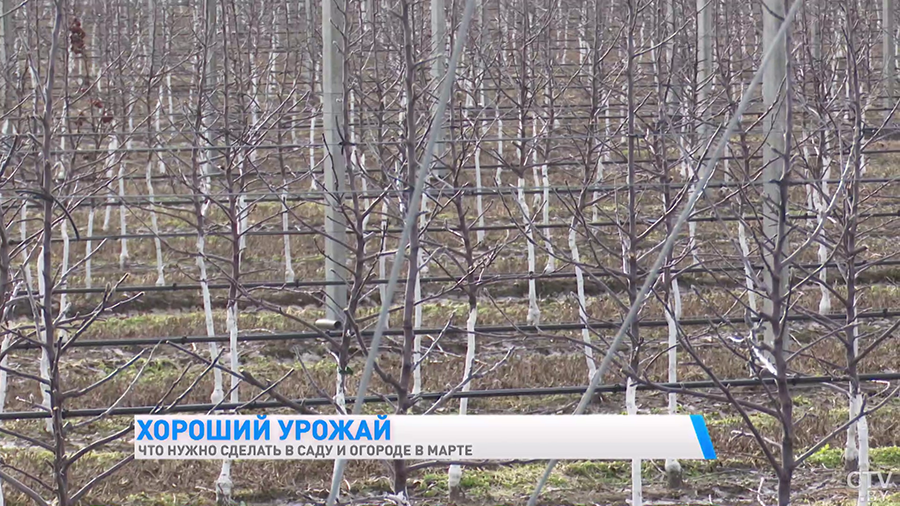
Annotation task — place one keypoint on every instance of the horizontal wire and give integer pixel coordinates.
(483, 279)
(312, 195)
(434, 396)
(430, 229)
(520, 330)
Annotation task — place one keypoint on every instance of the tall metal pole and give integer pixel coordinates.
(438, 51)
(209, 90)
(775, 164)
(704, 62)
(6, 44)
(335, 164)
(888, 53)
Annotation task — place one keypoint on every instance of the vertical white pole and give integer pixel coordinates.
(775, 128)
(334, 163)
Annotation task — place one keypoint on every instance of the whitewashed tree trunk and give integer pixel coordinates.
(673, 467)
(340, 397)
(218, 390)
(273, 86)
(748, 274)
(64, 264)
(123, 223)
(89, 247)
(820, 206)
(582, 301)
(224, 483)
(286, 227)
(454, 475)
(421, 265)
(479, 131)
(542, 179)
(637, 498)
(534, 311)
(112, 147)
(4, 364)
(154, 220)
(865, 478)
(498, 176)
(63, 297)
(853, 449)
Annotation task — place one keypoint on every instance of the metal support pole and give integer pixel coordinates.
(438, 70)
(775, 165)
(815, 31)
(209, 89)
(704, 62)
(335, 164)
(888, 53)
(7, 35)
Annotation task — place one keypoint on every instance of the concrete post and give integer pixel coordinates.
(334, 163)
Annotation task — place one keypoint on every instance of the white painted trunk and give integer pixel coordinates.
(63, 297)
(824, 294)
(498, 177)
(479, 131)
(535, 171)
(89, 248)
(421, 266)
(312, 154)
(340, 399)
(154, 227)
(231, 322)
(4, 382)
(154, 220)
(243, 212)
(865, 479)
(748, 275)
(285, 227)
(111, 149)
(853, 449)
(534, 311)
(672, 317)
(218, 390)
(123, 226)
(224, 483)
(548, 237)
(542, 179)
(582, 301)
(637, 498)
(455, 473)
